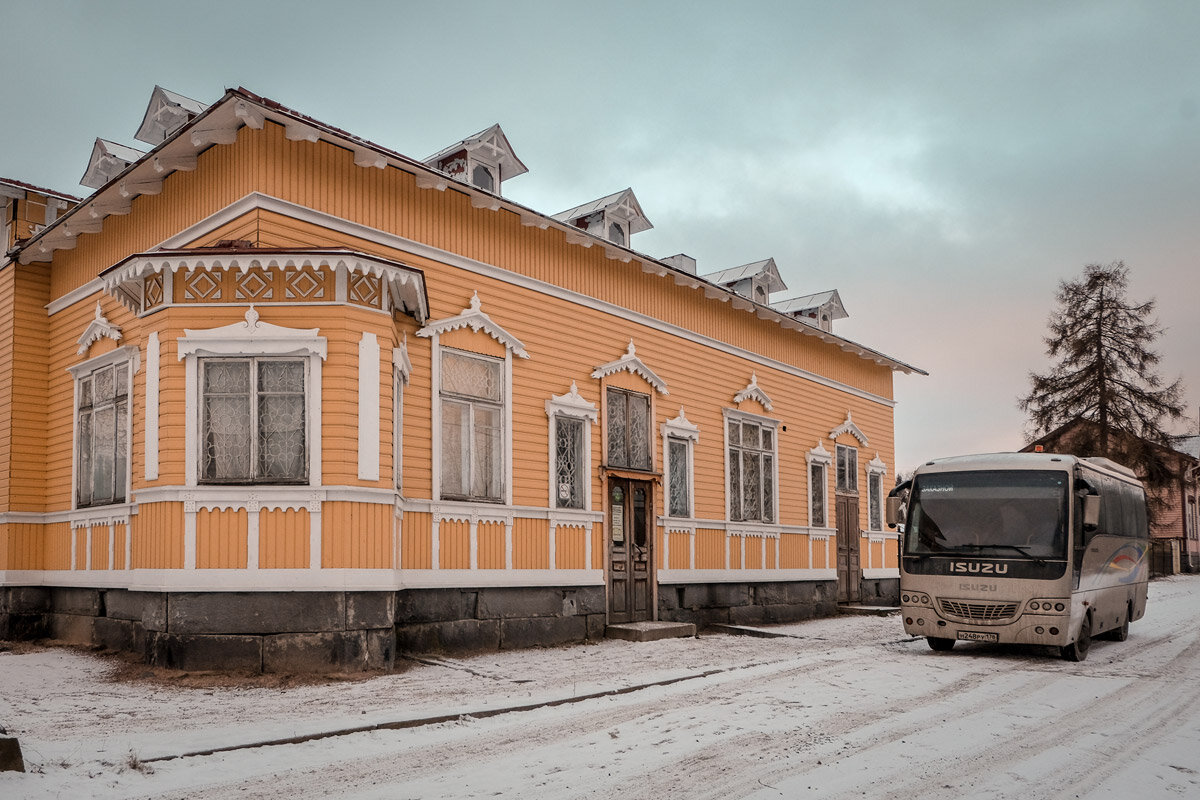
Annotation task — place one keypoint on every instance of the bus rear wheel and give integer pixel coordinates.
(1078, 650)
(940, 644)
(1121, 633)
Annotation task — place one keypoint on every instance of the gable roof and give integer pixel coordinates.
(166, 113)
(728, 277)
(16, 189)
(495, 146)
(219, 124)
(623, 205)
(811, 302)
(108, 160)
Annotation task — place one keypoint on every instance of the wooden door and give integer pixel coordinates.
(848, 538)
(630, 591)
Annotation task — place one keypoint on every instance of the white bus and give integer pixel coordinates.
(1031, 548)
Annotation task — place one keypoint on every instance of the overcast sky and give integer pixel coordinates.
(942, 164)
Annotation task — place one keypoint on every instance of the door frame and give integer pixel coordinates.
(849, 542)
(631, 479)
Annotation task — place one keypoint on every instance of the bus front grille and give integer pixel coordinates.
(975, 611)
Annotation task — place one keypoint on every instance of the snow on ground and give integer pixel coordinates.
(839, 708)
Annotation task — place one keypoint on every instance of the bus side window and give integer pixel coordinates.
(1141, 527)
(1110, 506)
(1129, 507)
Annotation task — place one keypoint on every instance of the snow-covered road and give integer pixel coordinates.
(846, 707)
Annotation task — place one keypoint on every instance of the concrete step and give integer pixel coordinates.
(864, 610)
(650, 631)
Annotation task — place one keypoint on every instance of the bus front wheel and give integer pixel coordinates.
(940, 644)
(1078, 650)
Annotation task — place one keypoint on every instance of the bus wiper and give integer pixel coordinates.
(1018, 548)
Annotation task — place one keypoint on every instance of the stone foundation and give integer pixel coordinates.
(746, 603)
(354, 631)
(301, 631)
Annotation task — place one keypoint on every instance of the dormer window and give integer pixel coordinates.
(484, 160)
(481, 176)
(616, 234)
(614, 218)
(754, 281)
(760, 294)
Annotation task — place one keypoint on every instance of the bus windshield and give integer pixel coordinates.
(1002, 514)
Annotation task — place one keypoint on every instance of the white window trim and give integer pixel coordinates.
(634, 365)
(875, 467)
(774, 424)
(474, 318)
(849, 490)
(131, 355)
(679, 428)
(571, 405)
(252, 338)
(820, 456)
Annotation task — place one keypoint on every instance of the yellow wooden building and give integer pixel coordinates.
(275, 397)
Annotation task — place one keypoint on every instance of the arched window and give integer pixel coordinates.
(616, 234)
(481, 176)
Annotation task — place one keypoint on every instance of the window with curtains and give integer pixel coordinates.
(751, 471)
(818, 491)
(875, 501)
(847, 469)
(679, 477)
(102, 435)
(628, 429)
(472, 407)
(252, 426)
(570, 469)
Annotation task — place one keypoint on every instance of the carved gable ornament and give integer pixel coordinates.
(753, 392)
(849, 427)
(473, 317)
(631, 363)
(96, 330)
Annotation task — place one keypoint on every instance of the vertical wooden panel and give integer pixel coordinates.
(793, 551)
(454, 545)
(490, 537)
(416, 550)
(356, 535)
(531, 544)
(120, 536)
(283, 538)
(221, 538)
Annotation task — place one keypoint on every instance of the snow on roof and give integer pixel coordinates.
(166, 113)
(623, 204)
(108, 160)
(811, 302)
(1189, 445)
(496, 146)
(18, 189)
(727, 277)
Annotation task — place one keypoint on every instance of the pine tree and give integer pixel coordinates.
(1105, 374)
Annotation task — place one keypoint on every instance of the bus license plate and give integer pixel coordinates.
(977, 636)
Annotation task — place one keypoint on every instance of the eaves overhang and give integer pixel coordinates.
(238, 108)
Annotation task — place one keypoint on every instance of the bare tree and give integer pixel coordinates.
(1105, 374)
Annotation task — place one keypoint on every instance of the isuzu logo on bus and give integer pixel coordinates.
(978, 567)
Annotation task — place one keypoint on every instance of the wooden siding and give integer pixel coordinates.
(221, 539)
(356, 536)
(158, 539)
(283, 538)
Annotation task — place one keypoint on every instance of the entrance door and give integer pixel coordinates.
(848, 539)
(629, 545)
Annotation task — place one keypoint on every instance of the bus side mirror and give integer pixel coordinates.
(1091, 512)
(893, 511)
